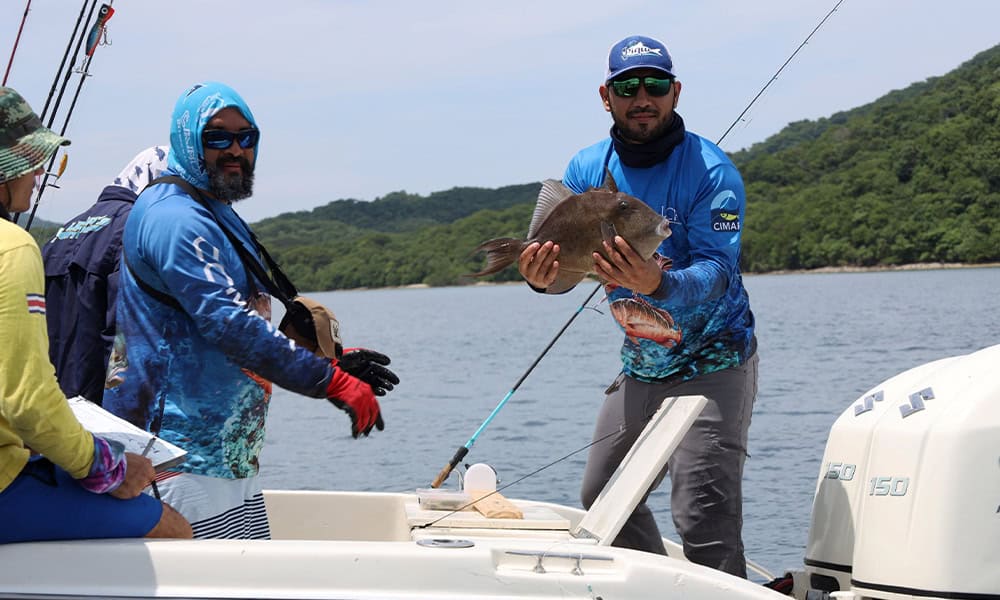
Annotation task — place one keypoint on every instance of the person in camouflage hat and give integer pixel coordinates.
(58, 481)
(25, 144)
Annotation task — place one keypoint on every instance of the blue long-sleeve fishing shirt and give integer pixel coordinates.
(205, 363)
(699, 319)
(210, 364)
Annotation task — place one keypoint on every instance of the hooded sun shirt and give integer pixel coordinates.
(205, 368)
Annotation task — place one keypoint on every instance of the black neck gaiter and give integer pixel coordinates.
(643, 156)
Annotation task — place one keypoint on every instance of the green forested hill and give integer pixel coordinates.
(912, 177)
(400, 239)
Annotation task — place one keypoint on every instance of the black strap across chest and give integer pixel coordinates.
(277, 283)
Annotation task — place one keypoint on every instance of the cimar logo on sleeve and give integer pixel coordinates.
(725, 212)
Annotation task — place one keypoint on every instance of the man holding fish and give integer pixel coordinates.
(684, 310)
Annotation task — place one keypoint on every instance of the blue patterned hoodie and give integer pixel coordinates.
(200, 375)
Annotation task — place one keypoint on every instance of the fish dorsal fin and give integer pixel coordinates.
(609, 181)
(552, 193)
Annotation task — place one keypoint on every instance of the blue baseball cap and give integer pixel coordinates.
(638, 52)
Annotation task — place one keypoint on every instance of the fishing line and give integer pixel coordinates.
(463, 450)
(750, 563)
(780, 69)
(620, 429)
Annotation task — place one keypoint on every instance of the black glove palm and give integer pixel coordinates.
(368, 366)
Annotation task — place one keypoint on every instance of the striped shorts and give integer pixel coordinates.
(217, 508)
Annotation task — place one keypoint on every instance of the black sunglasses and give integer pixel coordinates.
(220, 139)
(655, 86)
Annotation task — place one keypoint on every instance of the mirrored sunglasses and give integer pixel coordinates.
(220, 139)
(655, 86)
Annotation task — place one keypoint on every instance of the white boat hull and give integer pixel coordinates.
(361, 545)
(367, 545)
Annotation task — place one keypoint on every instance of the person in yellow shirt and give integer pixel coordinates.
(57, 480)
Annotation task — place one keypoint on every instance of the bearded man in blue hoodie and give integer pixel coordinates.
(195, 350)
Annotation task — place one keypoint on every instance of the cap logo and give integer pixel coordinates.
(639, 49)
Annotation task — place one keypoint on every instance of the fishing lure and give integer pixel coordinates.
(103, 16)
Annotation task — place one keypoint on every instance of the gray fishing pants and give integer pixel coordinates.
(706, 470)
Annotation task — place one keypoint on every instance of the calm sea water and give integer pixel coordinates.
(823, 340)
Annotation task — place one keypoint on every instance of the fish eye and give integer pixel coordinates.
(623, 205)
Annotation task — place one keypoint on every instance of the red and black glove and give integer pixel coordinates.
(358, 376)
(368, 366)
(354, 396)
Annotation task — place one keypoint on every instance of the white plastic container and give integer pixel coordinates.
(481, 478)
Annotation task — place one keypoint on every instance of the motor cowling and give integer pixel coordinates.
(908, 497)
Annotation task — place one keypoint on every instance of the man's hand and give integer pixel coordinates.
(538, 264)
(628, 269)
(368, 366)
(356, 398)
(139, 474)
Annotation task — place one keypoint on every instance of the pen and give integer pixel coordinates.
(145, 451)
(149, 446)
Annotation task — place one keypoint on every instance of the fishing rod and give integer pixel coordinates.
(62, 64)
(93, 38)
(463, 450)
(52, 91)
(17, 39)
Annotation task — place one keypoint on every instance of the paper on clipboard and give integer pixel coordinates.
(100, 422)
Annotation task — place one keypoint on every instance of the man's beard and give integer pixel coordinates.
(230, 187)
(641, 134)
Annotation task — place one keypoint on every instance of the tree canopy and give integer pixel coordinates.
(913, 177)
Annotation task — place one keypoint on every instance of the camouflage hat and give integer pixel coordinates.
(24, 142)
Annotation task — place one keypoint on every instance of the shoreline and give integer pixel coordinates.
(879, 268)
(818, 271)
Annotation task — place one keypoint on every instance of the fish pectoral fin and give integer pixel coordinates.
(608, 232)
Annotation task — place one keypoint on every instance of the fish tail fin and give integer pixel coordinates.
(500, 253)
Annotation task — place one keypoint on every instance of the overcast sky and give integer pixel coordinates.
(359, 99)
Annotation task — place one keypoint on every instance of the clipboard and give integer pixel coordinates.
(100, 422)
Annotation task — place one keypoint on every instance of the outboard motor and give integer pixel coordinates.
(908, 498)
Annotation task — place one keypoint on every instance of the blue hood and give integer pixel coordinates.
(193, 111)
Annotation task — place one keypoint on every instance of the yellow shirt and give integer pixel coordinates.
(33, 410)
